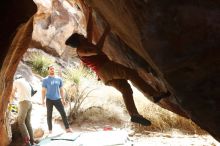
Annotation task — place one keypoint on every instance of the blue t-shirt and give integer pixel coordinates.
(53, 85)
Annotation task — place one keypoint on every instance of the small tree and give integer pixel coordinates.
(39, 63)
(77, 97)
(74, 94)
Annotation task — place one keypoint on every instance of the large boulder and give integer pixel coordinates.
(180, 41)
(15, 28)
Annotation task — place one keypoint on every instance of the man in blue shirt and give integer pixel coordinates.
(52, 89)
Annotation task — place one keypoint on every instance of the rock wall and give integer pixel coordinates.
(16, 29)
(180, 40)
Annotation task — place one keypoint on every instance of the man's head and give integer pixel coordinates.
(73, 40)
(51, 71)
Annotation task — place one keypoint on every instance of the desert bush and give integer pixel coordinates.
(74, 95)
(74, 74)
(39, 63)
(75, 98)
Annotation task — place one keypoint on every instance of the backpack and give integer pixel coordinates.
(32, 90)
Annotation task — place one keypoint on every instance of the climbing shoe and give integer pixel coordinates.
(140, 120)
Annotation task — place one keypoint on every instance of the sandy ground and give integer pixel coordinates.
(137, 134)
(136, 137)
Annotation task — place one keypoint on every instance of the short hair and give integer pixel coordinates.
(73, 40)
(49, 66)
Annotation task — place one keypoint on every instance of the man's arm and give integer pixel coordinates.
(101, 41)
(43, 95)
(61, 92)
(89, 28)
(62, 95)
(87, 49)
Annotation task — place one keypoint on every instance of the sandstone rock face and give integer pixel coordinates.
(13, 41)
(19, 13)
(172, 43)
(54, 23)
(180, 39)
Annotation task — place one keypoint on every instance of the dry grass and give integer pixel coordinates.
(162, 119)
(106, 105)
(102, 106)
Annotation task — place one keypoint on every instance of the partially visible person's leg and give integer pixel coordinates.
(28, 123)
(49, 104)
(59, 106)
(127, 93)
(145, 87)
(111, 71)
(140, 84)
(22, 114)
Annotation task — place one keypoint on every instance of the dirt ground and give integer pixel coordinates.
(137, 135)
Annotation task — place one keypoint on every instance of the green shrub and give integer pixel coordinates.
(39, 63)
(75, 98)
(74, 95)
(74, 74)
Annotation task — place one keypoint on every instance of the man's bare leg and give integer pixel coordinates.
(127, 93)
